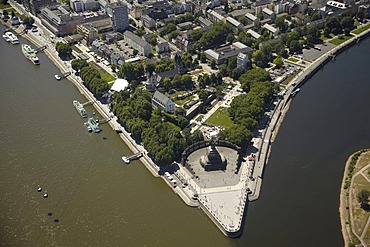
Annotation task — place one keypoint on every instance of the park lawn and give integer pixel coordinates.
(361, 29)
(182, 101)
(323, 38)
(107, 77)
(5, 6)
(220, 118)
(104, 75)
(340, 40)
(359, 215)
(292, 59)
(174, 126)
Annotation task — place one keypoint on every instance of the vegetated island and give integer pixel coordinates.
(354, 205)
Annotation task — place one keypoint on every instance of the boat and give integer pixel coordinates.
(12, 38)
(80, 108)
(295, 91)
(6, 37)
(30, 54)
(93, 125)
(88, 127)
(46, 194)
(60, 76)
(39, 189)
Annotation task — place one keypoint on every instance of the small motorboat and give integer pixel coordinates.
(39, 189)
(46, 194)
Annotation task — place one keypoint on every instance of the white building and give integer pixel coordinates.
(214, 16)
(119, 15)
(271, 29)
(234, 23)
(252, 19)
(162, 101)
(137, 43)
(242, 60)
(254, 34)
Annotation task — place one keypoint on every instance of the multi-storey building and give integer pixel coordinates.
(118, 13)
(137, 43)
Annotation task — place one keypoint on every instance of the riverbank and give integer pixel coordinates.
(354, 220)
(276, 117)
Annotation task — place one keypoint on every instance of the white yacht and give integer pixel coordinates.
(11, 37)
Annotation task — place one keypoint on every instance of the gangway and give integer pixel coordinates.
(104, 120)
(132, 157)
(87, 103)
(41, 48)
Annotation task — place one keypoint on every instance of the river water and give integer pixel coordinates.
(99, 201)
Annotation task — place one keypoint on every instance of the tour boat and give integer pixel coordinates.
(30, 54)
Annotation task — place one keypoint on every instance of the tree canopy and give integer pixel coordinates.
(64, 50)
(363, 199)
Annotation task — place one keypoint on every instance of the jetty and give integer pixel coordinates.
(127, 159)
(60, 76)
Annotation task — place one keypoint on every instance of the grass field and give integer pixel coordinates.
(361, 29)
(293, 59)
(220, 118)
(107, 77)
(290, 78)
(340, 40)
(182, 101)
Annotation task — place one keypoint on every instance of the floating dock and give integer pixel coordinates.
(60, 76)
(93, 125)
(132, 157)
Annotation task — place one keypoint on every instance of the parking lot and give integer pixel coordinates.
(312, 53)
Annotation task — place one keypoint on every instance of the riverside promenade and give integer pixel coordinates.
(263, 138)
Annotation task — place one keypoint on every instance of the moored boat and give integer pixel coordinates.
(30, 54)
(295, 91)
(12, 38)
(6, 37)
(80, 108)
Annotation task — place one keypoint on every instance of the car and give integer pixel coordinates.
(168, 176)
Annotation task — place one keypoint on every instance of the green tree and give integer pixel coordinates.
(27, 20)
(334, 25)
(278, 61)
(203, 95)
(153, 39)
(260, 59)
(140, 31)
(363, 198)
(64, 50)
(78, 64)
(347, 22)
(281, 24)
(212, 63)
(295, 46)
(360, 15)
